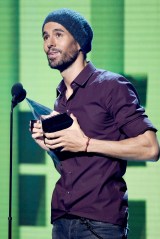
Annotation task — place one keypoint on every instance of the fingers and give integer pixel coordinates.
(35, 124)
(53, 143)
(35, 128)
(31, 125)
(53, 113)
(75, 124)
(55, 135)
(37, 135)
(73, 117)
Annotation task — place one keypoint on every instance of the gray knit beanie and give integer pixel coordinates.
(76, 24)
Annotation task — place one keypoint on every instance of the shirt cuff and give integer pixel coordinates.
(138, 126)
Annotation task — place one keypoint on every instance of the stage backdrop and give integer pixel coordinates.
(126, 40)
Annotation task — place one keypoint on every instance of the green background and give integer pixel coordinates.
(127, 41)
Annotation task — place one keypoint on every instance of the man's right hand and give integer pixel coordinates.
(37, 133)
(36, 130)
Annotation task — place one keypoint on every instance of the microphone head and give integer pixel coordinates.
(18, 93)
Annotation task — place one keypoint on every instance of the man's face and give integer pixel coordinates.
(59, 45)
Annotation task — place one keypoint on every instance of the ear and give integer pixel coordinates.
(78, 46)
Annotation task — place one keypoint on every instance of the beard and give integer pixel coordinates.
(65, 60)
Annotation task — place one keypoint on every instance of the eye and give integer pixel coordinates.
(58, 34)
(45, 37)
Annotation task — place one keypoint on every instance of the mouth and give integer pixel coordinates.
(53, 54)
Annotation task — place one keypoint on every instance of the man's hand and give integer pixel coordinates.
(71, 139)
(37, 133)
(36, 130)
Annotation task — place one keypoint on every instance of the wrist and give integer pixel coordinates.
(87, 144)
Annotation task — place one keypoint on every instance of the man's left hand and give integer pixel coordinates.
(71, 139)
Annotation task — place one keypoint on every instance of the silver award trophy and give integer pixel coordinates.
(38, 110)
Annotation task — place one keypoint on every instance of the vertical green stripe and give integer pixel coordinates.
(108, 25)
(8, 76)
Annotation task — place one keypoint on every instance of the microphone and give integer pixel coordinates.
(18, 94)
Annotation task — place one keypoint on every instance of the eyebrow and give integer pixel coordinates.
(54, 30)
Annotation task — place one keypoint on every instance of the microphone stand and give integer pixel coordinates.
(10, 173)
(18, 95)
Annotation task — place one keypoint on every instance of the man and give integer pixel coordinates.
(109, 127)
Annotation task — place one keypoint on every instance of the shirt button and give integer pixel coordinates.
(73, 84)
(68, 192)
(69, 173)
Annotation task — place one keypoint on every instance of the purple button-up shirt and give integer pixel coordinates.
(107, 108)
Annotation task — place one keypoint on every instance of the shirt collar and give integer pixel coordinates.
(81, 79)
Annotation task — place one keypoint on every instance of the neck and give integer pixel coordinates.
(73, 71)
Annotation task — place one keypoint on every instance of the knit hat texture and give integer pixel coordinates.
(76, 24)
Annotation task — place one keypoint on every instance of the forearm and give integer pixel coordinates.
(142, 148)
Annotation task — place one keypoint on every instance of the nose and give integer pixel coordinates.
(51, 42)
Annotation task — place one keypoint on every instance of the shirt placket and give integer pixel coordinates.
(68, 194)
(67, 167)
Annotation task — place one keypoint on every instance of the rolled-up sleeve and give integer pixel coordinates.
(130, 116)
